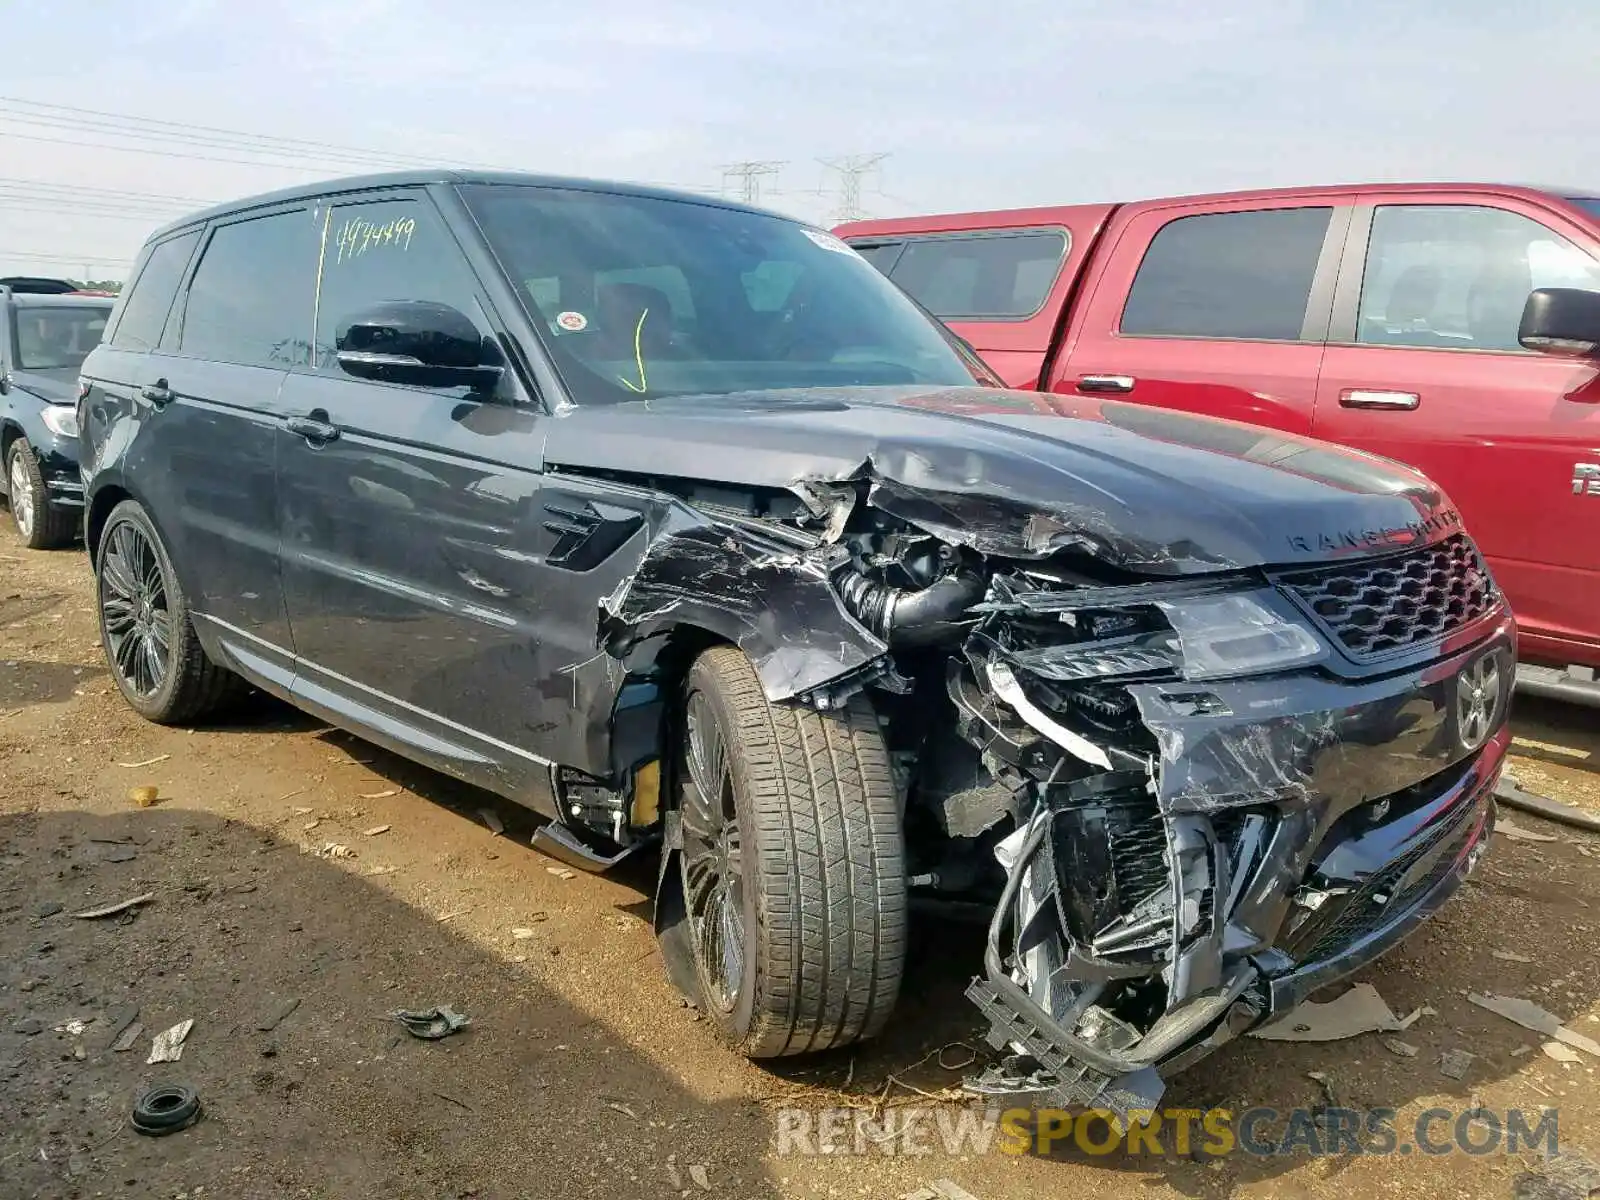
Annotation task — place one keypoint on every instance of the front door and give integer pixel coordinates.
(1424, 366)
(408, 516)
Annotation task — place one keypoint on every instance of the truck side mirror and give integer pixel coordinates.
(1563, 321)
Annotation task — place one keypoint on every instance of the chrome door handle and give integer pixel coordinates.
(1378, 398)
(1115, 384)
(313, 430)
(157, 393)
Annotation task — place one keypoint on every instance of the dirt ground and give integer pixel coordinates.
(581, 1073)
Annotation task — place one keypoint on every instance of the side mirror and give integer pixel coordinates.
(416, 342)
(1562, 321)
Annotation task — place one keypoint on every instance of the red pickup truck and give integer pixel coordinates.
(1452, 327)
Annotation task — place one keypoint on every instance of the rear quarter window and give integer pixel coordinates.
(150, 296)
(992, 276)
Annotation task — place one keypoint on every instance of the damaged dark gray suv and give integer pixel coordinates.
(676, 522)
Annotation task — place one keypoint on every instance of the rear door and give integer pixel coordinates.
(1215, 308)
(206, 459)
(1424, 366)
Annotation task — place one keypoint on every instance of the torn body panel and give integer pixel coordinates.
(1195, 759)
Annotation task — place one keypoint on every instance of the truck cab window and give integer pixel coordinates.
(1005, 275)
(1457, 276)
(1228, 275)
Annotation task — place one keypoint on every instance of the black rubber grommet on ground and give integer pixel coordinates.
(165, 1110)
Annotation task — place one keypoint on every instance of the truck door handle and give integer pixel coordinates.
(1118, 384)
(158, 393)
(313, 428)
(1378, 398)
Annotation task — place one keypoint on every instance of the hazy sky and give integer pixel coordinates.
(978, 105)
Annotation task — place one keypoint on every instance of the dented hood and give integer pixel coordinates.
(1023, 474)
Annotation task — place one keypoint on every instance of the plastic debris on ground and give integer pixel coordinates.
(128, 1038)
(1518, 833)
(145, 797)
(1530, 1016)
(562, 872)
(111, 910)
(168, 1045)
(489, 818)
(1395, 1046)
(431, 1024)
(376, 830)
(1360, 1010)
(1454, 1064)
(1561, 1053)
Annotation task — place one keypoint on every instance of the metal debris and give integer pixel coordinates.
(431, 1024)
(1360, 1010)
(111, 910)
(1530, 1016)
(1395, 1046)
(168, 1045)
(1455, 1064)
(489, 818)
(128, 1038)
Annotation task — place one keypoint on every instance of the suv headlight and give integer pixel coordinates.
(61, 420)
(1237, 634)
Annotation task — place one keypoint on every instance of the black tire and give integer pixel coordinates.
(140, 605)
(821, 889)
(40, 524)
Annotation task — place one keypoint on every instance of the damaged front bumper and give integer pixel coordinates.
(1289, 830)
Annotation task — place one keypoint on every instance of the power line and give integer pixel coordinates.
(852, 168)
(749, 176)
(46, 185)
(39, 256)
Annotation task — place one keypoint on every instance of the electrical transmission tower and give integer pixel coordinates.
(852, 169)
(748, 177)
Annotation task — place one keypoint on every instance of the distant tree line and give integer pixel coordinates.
(97, 285)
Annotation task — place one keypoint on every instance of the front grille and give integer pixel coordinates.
(1379, 606)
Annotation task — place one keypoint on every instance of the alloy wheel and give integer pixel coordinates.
(713, 867)
(134, 610)
(21, 491)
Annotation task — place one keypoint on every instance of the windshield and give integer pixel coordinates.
(55, 338)
(639, 296)
(1589, 204)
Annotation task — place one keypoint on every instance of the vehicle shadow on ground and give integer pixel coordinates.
(1539, 902)
(1564, 735)
(533, 1099)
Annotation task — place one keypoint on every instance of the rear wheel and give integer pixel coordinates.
(155, 656)
(39, 523)
(792, 864)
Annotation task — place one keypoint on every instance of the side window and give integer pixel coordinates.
(250, 301)
(386, 250)
(1457, 276)
(1228, 275)
(149, 299)
(995, 276)
(881, 254)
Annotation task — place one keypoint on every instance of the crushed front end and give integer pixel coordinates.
(1207, 797)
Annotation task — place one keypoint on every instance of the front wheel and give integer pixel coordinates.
(793, 864)
(156, 658)
(40, 525)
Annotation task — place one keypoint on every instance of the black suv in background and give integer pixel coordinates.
(46, 331)
(677, 522)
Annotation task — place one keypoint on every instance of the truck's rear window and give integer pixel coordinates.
(989, 276)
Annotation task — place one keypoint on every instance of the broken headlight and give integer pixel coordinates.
(1237, 634)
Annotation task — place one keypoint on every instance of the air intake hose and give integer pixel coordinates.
(907, 617)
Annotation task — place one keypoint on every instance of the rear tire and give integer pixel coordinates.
(40, 524)
(154, 653)
(793, 864)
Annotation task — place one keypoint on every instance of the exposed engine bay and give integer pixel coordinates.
(1191, 796)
